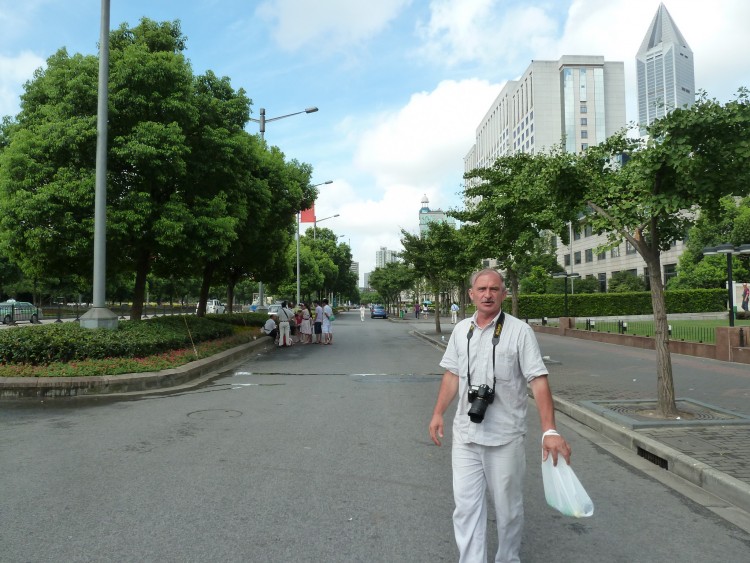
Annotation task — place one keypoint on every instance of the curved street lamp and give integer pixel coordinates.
(262, 122)
(566, 275)
(729, 250)
(315, 224)
(298, 222)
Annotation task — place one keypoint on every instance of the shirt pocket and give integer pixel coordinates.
(506, 365)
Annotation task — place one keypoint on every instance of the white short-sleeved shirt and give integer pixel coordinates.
(517, 361)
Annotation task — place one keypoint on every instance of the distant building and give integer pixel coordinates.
(385, 256)
(354, 268)
(574, 102)
(366, 281)
(665, 70)
(427, 216)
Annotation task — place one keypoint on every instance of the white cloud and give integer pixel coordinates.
(400, 156)
(329, 24)
(15, 71)
(484, 31)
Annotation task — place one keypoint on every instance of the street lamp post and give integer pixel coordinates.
(729, 250)
(566, 275)
(298, 222)
(262, 122)
(99, 316)
(315, 224)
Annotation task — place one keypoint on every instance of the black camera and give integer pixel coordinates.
(479, 397)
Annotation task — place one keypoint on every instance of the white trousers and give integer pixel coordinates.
(454, 316)
(499, 470)
(285, 337)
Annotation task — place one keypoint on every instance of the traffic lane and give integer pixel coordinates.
(587, 370)
(305, 467)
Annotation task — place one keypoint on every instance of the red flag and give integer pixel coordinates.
(308, 215)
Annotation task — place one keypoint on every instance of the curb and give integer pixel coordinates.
(190, 374)
(696, 472)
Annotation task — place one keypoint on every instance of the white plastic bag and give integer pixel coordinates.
(563, 490)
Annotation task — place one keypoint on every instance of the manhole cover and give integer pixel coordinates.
(215, 414)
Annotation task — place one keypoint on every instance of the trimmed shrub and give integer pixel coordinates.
(65, 342)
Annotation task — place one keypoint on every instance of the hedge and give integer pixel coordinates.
(620, 304)
(65, 342)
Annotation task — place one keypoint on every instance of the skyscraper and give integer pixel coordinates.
(384, 256)
(427, 216)
(665, 70)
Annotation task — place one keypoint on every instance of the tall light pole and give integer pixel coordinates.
(262, 122)
(566, 275)
(298, 221)
(315, 224)
(729, 250)
(99, 316)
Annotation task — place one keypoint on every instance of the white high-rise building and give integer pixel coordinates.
(574, 102)
(384, 256)
(665, 70)
(428, 216)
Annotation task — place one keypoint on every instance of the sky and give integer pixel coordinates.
(401, 85)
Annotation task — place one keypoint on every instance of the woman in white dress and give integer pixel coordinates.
(306, 326)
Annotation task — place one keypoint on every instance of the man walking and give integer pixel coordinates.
(285, 317)
(454, 313)
(490, 359)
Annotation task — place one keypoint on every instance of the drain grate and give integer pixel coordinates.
(653, 458)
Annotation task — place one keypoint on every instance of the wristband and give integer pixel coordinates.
(551, 432)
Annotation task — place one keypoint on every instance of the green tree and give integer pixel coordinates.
(512, 213)
(692, 157)
(623, 282)
(390, 280)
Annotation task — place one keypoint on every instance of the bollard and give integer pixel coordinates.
(59, 320)
(669, 330)
(544, 321)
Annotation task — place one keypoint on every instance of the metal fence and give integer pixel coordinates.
(683, 332)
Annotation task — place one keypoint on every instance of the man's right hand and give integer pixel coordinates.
(436, 428)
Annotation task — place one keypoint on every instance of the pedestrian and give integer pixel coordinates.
(270, 329)
(362, 312)
(492, 355)
(297, 328)
(306, 325)
(416, 310)
(318, 323)
(285, 316)
(326, 328)
(745, 296)
(454, 313)
(424, 310)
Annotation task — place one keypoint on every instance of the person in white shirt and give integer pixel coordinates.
(492, 353)
(454, 313)
(286, 316)
(269, 329)
(326, 327)
(362, 312)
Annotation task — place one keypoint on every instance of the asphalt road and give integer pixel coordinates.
(312, 453)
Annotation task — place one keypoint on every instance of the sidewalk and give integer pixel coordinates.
(712, 454)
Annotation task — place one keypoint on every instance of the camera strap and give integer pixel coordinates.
(495, 341)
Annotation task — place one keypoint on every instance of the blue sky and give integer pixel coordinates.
(401, 84)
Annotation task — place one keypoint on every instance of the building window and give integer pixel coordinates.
(576, 235)
(584, 134)
(577, 257)
(584, 146)
(670, 271)
(615, 252)
(485, 263)
(602, 282)
(629, 248)
(567, 260)
(584, 121)
(584, 109)
(589, 255)
(601, 256)
(588, 230)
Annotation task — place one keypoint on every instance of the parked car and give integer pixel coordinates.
(214, 306)
(378, 312)
(12, 311)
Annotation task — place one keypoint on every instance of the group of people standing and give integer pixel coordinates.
(301, 324)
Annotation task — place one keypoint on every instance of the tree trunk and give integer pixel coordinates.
(664, 379)
(513, 279)
(142, 266)
(438, 330)
(208, 272)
